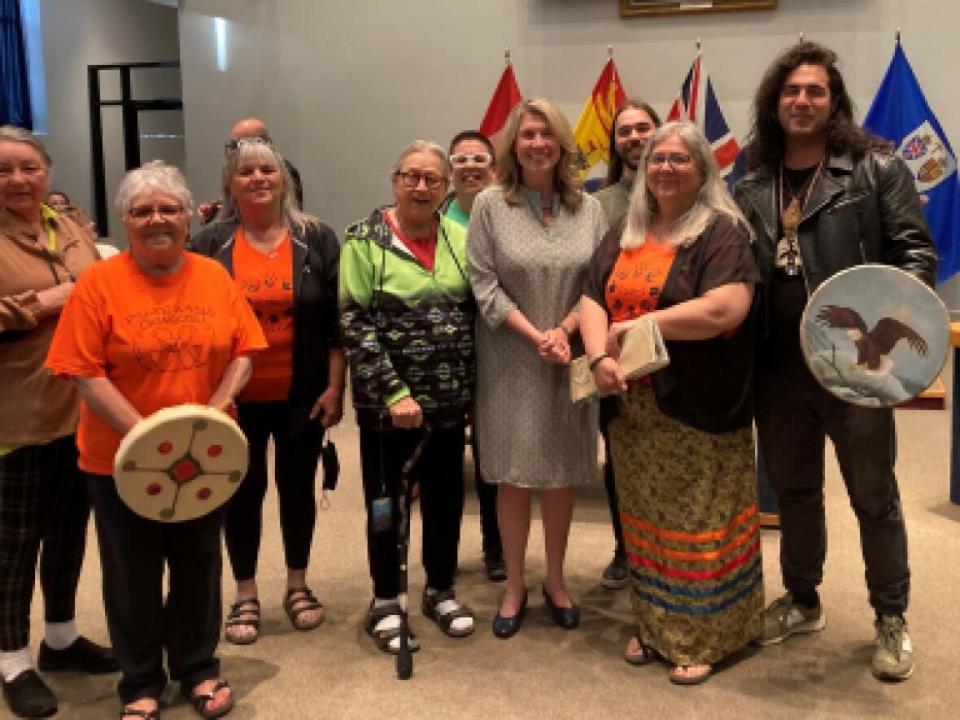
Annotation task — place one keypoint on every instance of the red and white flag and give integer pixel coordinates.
(505, 98)
(697, 103)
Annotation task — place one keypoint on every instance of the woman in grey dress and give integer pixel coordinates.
(530, 240)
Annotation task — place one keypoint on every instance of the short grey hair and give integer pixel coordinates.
(713, 199)
(418, 146)
(18, 134)
(258, 150)
(154, 175)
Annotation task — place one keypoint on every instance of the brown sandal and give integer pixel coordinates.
(645, 654)
(243, 613)
(298, 601)
(678, 679)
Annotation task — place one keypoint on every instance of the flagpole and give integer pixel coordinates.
(698, 44)
(609, 52)
(801, 39)
(506, 56)
(898, 36)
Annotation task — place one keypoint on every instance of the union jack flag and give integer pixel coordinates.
(697, 102)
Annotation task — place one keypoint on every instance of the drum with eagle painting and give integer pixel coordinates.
(874, 335)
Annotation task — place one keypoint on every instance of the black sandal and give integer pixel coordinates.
(383, 638)
(305, 601)
(137, 712)
(445, 620)
(249, 606)
(200, 700)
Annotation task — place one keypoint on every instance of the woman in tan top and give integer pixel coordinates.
(42, 494)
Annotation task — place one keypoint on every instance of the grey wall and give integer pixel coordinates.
(77, 33)
(344, 84)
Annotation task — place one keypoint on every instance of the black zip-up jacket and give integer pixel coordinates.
(316, 325)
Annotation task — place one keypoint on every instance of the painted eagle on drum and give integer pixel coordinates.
(873, 346)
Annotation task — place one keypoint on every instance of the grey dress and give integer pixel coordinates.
(529, 432)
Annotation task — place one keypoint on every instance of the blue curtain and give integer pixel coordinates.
(14, 88)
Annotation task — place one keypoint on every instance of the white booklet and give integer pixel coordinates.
(642, 352)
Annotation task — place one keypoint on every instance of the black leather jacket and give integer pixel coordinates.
(865, 211)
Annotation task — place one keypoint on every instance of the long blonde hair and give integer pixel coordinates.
(258, 150)
(713, 198)
(566, 175)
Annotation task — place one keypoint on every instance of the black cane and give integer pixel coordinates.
(404, 656)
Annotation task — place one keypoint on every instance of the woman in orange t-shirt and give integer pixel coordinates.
(285, 263)
(148, 329)
(682, 442)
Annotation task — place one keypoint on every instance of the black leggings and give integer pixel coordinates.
(295, 470)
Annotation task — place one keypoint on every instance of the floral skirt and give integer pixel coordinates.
(688, 501)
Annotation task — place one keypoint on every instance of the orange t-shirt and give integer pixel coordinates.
(634, 286)
(161, 340)
(267, 283)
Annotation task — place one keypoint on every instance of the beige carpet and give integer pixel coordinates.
(550, 674)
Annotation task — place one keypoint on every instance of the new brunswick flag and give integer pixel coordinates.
(592, 132)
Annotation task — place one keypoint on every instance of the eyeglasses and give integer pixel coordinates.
(464, 159)
(144, 213)
(411, 180)
(674, 160)
(234, 143)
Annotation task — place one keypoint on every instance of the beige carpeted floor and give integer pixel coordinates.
(550, 674)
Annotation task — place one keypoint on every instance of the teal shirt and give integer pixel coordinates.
(457, 214)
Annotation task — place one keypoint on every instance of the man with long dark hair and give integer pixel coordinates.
(823, 195)
(633, 124)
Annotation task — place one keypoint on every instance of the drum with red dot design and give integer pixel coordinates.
(180, 463)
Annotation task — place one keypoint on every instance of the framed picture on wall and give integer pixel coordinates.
(636, 8)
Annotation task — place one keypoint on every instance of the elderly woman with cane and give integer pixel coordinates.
(407, 321)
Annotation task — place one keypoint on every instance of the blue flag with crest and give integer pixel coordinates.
(900, 113)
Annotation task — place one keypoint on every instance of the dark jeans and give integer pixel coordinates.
(440, 474)
(43, 512)
(766, 495)
(295, 471)
(142, 625)
(794, 415)
(487, 497)
(609, 484)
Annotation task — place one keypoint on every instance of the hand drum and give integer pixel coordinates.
(180, 463)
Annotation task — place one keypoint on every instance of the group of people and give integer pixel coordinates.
(455, 310)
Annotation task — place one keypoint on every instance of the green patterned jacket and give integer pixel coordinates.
(407, 331)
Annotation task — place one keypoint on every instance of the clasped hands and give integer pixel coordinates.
(554, 346)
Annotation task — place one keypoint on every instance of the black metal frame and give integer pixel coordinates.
(131, 127)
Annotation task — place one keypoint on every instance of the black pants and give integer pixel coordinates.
(440, 474)
(794, 415)
(487, 497)
(142, 625)
(294, 469)
(610, 485)
(43, 511)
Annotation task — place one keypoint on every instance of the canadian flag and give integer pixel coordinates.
(505, 98)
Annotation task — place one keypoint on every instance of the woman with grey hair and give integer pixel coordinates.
(407, 319)
(682, 442)
(151, 328)
(43, 501)
(285, 263)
